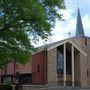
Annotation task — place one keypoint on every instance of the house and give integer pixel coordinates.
(66, 62)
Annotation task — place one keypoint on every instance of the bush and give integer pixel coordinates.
(5, 87)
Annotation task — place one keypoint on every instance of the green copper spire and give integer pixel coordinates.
(79, 26)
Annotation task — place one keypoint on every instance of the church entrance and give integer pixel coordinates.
(60, 65)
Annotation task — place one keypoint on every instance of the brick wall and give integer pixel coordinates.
(88, 60)
(80, 41)
(39, 76)
(77, 68)
(52, 65)
(82, 62)
(83, 70)
(85, 62)
(88, 42)
(88, 66)
(10, 68)
(22, 69)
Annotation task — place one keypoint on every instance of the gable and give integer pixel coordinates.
(54, 45)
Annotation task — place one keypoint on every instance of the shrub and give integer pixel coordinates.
(5, 87)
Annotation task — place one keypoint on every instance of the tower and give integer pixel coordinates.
(79, 26)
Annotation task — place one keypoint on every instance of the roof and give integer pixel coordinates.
(58, 43)
(79, 25)
(79, 33)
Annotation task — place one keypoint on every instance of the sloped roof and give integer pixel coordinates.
(58, 43)
(79, 33)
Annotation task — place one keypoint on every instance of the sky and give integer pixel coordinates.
(62, 28)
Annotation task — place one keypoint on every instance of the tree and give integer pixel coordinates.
(21, 21)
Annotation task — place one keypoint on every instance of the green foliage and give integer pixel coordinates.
(5, 87)
(22, 19)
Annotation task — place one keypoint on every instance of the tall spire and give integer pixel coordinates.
(79, 26)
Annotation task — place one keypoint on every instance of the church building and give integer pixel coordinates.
(65, 63)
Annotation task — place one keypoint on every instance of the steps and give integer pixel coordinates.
(46, 87)
(59, 88)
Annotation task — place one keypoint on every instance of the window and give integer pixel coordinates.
(17, 75)
(85, 41)
(60, 59)
(60, 62)
(6, 79)
(87, 73)
(38, 68)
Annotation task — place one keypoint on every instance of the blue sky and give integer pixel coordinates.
(62, 28)
(70, 15)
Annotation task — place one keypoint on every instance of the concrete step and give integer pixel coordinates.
(46, 87)
(62, 88)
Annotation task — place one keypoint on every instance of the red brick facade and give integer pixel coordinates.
(39, 68)
(42, 67)
(36, 68)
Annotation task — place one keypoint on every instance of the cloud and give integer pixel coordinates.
(69, 25)
(67, 13)
(70, 15)
(86, 25)
(62, 28)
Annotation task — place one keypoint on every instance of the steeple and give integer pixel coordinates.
(79, 25)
